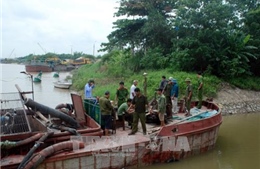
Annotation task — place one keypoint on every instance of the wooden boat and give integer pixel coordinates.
(180, 138)
(62, 84)
(37, 68)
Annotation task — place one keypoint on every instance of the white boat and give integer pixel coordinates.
(62, 84)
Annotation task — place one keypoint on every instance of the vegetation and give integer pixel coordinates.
(177, 38)
(219, 37)
(105, 81)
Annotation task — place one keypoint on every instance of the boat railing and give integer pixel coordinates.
(92, 109)
(13, 114)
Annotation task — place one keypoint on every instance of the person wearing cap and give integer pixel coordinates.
(140, 104)
(132, 89)
(106, 110)
(167, 93)
(174, 96)
(121, 94)
(188, 96)
(88, 89)
(161, 100)
(200, 89)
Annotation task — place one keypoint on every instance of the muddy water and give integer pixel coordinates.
(44, 92)
(238, 147)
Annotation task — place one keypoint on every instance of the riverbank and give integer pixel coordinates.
(233, 100)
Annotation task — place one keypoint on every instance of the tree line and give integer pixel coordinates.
(218, 37)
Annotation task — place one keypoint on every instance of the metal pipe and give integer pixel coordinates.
(31, 76)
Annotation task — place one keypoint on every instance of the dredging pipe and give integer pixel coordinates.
(47, 110)
(40, 157)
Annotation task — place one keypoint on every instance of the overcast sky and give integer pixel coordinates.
(58, 26)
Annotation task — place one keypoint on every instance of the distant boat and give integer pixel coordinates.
(62, 84)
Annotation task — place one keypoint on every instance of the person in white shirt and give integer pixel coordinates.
(132, 89)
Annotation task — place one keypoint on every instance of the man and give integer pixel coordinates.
(163, 83)
(132, 89)
(88, 89)
(174, 96)
(200, 89)
(161, 100)
(167, 94)
(140, 104)
(66, 108)
(121, 94)
(188, 96)
(106, 110)
(123, 110)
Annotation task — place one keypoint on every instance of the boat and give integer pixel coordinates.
(180, 138)
(62, 84)
(20, 130)
(37, 66)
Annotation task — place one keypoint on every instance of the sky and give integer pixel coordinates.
(57, 26)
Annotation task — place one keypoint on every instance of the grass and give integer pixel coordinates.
(104, 82)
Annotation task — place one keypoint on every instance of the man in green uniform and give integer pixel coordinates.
(140, 104)
(161, 100)
(200, 89)
(121, 94)
(167, 94)
(123, 110)
(188, 96)
(106, 110)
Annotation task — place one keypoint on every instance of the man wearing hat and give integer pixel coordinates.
(106, 110)
(121, 94)
(161, 106)
(167, 94)
(188, 96)
(200, 89)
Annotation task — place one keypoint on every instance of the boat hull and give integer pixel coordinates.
(38, 68)
(174, 142)
(138, 156)
(61, 85)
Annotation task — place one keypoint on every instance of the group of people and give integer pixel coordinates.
(134, 104)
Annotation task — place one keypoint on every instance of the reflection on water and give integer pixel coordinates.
(238, 147)
(44, 92)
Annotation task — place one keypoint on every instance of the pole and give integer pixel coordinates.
(31, 76)
(32, 86)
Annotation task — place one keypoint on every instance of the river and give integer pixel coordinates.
(238, 143)
(44, 92)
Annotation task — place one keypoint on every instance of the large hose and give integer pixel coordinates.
(11, 144)
(47, 110)
(33, 149)
(40, 157)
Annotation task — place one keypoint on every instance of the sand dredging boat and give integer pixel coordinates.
(36, 136)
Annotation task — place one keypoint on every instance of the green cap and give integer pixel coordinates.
(187, 80)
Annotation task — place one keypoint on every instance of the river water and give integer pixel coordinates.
(44, 92)
(238, 143)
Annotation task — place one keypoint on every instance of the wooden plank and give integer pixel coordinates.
(79, 109)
